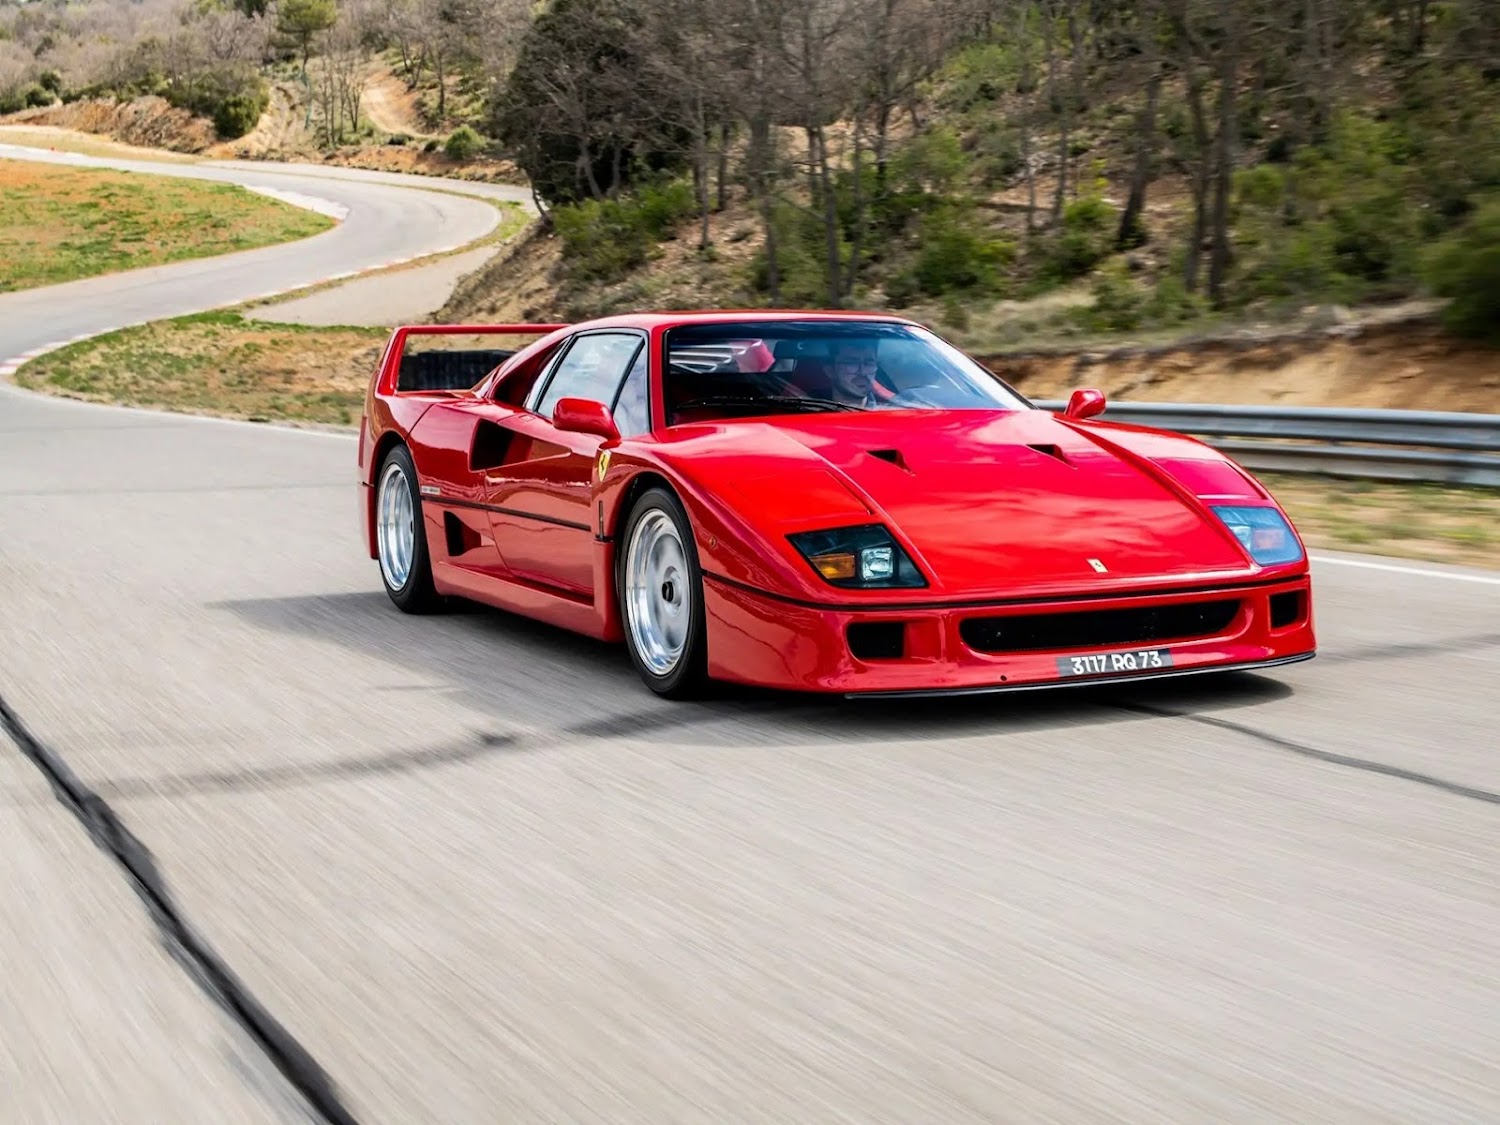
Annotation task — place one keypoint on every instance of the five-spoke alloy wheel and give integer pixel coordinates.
(661, 596)
(400, 542)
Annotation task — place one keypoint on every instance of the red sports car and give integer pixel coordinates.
(820, 501)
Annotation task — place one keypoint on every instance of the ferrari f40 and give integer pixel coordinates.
(817, 501)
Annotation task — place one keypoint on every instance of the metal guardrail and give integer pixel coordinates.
(1408, 445)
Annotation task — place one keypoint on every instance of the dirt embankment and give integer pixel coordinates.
(1411, 365)
(283, 133)
(149, 122)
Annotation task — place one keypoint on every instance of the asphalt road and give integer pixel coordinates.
(387, 218)
(480, 874)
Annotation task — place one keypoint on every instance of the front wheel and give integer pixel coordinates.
(661, 597)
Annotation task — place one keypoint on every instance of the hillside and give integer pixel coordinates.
(1043, 175)
(1021, 174)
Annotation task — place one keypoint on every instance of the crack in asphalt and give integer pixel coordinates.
(191, 950)
(293, 775)
(1455, 788)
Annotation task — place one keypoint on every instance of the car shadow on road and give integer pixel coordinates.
(514, 668)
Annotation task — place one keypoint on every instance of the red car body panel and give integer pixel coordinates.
(1008, 514)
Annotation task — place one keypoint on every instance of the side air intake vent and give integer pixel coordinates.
(460, 536)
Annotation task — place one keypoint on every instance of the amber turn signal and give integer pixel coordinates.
(834, 566)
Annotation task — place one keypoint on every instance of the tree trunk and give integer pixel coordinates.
(700, 173)
(1221, 256)
(1201, 169)
(1054, 103)
(723, 167)
(830, 224)
(760, 187)
(1079, 87)
(1026, 111)
(1132, 231)
(857, 242)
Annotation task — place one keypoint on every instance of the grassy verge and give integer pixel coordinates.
(220, 363)
(1433, 522)
(60, 224)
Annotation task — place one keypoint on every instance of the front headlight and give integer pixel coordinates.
(1263, 532)
(863, 558)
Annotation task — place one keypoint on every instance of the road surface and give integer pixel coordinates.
(473, 870)
(387, 218)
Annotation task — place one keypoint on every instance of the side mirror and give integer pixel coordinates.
(1085, 403)
(584, 416)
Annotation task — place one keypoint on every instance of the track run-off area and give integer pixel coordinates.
(274, 851)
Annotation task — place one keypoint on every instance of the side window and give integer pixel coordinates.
(633, 411)
(593, 368)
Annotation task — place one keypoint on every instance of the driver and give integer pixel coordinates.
(852, 370)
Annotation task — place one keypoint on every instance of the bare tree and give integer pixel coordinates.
(1131, 231)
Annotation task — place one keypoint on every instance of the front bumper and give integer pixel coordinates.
(755, 638)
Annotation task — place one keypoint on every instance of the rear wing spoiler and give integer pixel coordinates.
(450, 369)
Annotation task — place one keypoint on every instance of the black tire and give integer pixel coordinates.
(415, 593)
(687, 678)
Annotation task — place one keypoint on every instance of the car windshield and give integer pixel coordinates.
(795, 366)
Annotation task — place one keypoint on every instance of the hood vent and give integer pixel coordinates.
(891, 455)
(1052, 451)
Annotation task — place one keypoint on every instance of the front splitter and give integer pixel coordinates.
(1079, 681)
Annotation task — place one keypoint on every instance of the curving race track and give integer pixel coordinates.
(478, 874)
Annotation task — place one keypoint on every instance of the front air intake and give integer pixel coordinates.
(1287, 609)
(1098, 628)
(877, 640)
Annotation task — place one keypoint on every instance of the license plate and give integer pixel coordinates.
(1112, 663)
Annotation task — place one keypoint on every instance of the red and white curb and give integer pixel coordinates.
(9, 367)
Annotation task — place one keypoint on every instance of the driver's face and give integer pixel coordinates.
(854, 370)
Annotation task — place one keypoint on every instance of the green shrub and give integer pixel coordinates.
(979, 75)
(801, 258)
(237, 114)
(1118, 305)
(932, 162)
(233, 96)
(1465, 267)
(1084, 238)
(956, 254)
(36, 97)
(602, 240)
(1334, 222)
(12, 101)
(462, 144)
(1171, 304)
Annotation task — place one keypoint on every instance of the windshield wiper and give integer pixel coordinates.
(778, 400)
